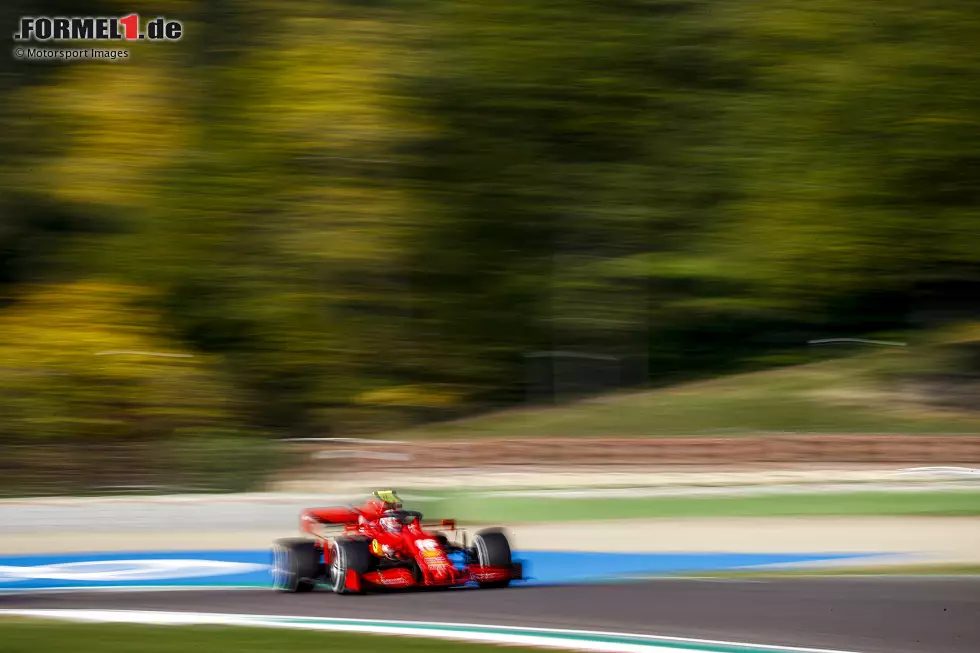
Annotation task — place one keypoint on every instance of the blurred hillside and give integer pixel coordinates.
(870, 394)
(356, 217)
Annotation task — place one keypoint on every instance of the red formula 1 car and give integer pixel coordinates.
(380, 545)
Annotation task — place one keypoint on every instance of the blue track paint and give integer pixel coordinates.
(136, 569)
(559, 567)
(251, 568)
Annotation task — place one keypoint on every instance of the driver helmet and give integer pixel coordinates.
(391, 524)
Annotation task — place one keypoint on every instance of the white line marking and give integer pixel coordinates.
(122, 570)
(6, 591)
(606, 641)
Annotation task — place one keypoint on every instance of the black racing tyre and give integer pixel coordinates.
(492, 549)
(296, 563)
(348, 555)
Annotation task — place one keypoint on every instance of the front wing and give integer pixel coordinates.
(400, 578)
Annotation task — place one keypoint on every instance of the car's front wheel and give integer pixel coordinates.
(348, 555)
(492, 549)
(295, 565)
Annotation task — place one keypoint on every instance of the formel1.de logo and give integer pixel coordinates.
(92, 28)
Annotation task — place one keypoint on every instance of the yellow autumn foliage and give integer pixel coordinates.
(83, 359)
(417, 396)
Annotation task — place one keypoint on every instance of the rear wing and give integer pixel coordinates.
(327, 531)
(325, 521)
(446, 524)
(329, 515)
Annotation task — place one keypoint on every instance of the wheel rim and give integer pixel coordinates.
(282, 571)
(336, 569)
(482, 555)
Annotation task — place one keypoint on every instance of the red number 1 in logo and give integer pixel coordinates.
(131, 25)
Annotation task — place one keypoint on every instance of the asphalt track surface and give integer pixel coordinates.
(870, 615)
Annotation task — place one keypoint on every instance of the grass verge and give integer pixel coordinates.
(890, 570)
(31, 636)
(502, 509)
(848, 395)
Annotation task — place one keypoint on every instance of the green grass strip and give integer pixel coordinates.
(19, 635)
(504, 509)
(44, 636)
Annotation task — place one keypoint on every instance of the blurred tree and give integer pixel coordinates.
(85, 360)
(351, 204)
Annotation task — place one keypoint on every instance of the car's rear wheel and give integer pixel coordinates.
(348, 555)
(296, 564)
(492, 549)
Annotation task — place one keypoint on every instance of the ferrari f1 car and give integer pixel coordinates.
(381, 546)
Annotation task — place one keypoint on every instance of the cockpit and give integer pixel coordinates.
(394, 521)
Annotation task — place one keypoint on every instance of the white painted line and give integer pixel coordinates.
(579, 640)
(128, 588)
(127, 570)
